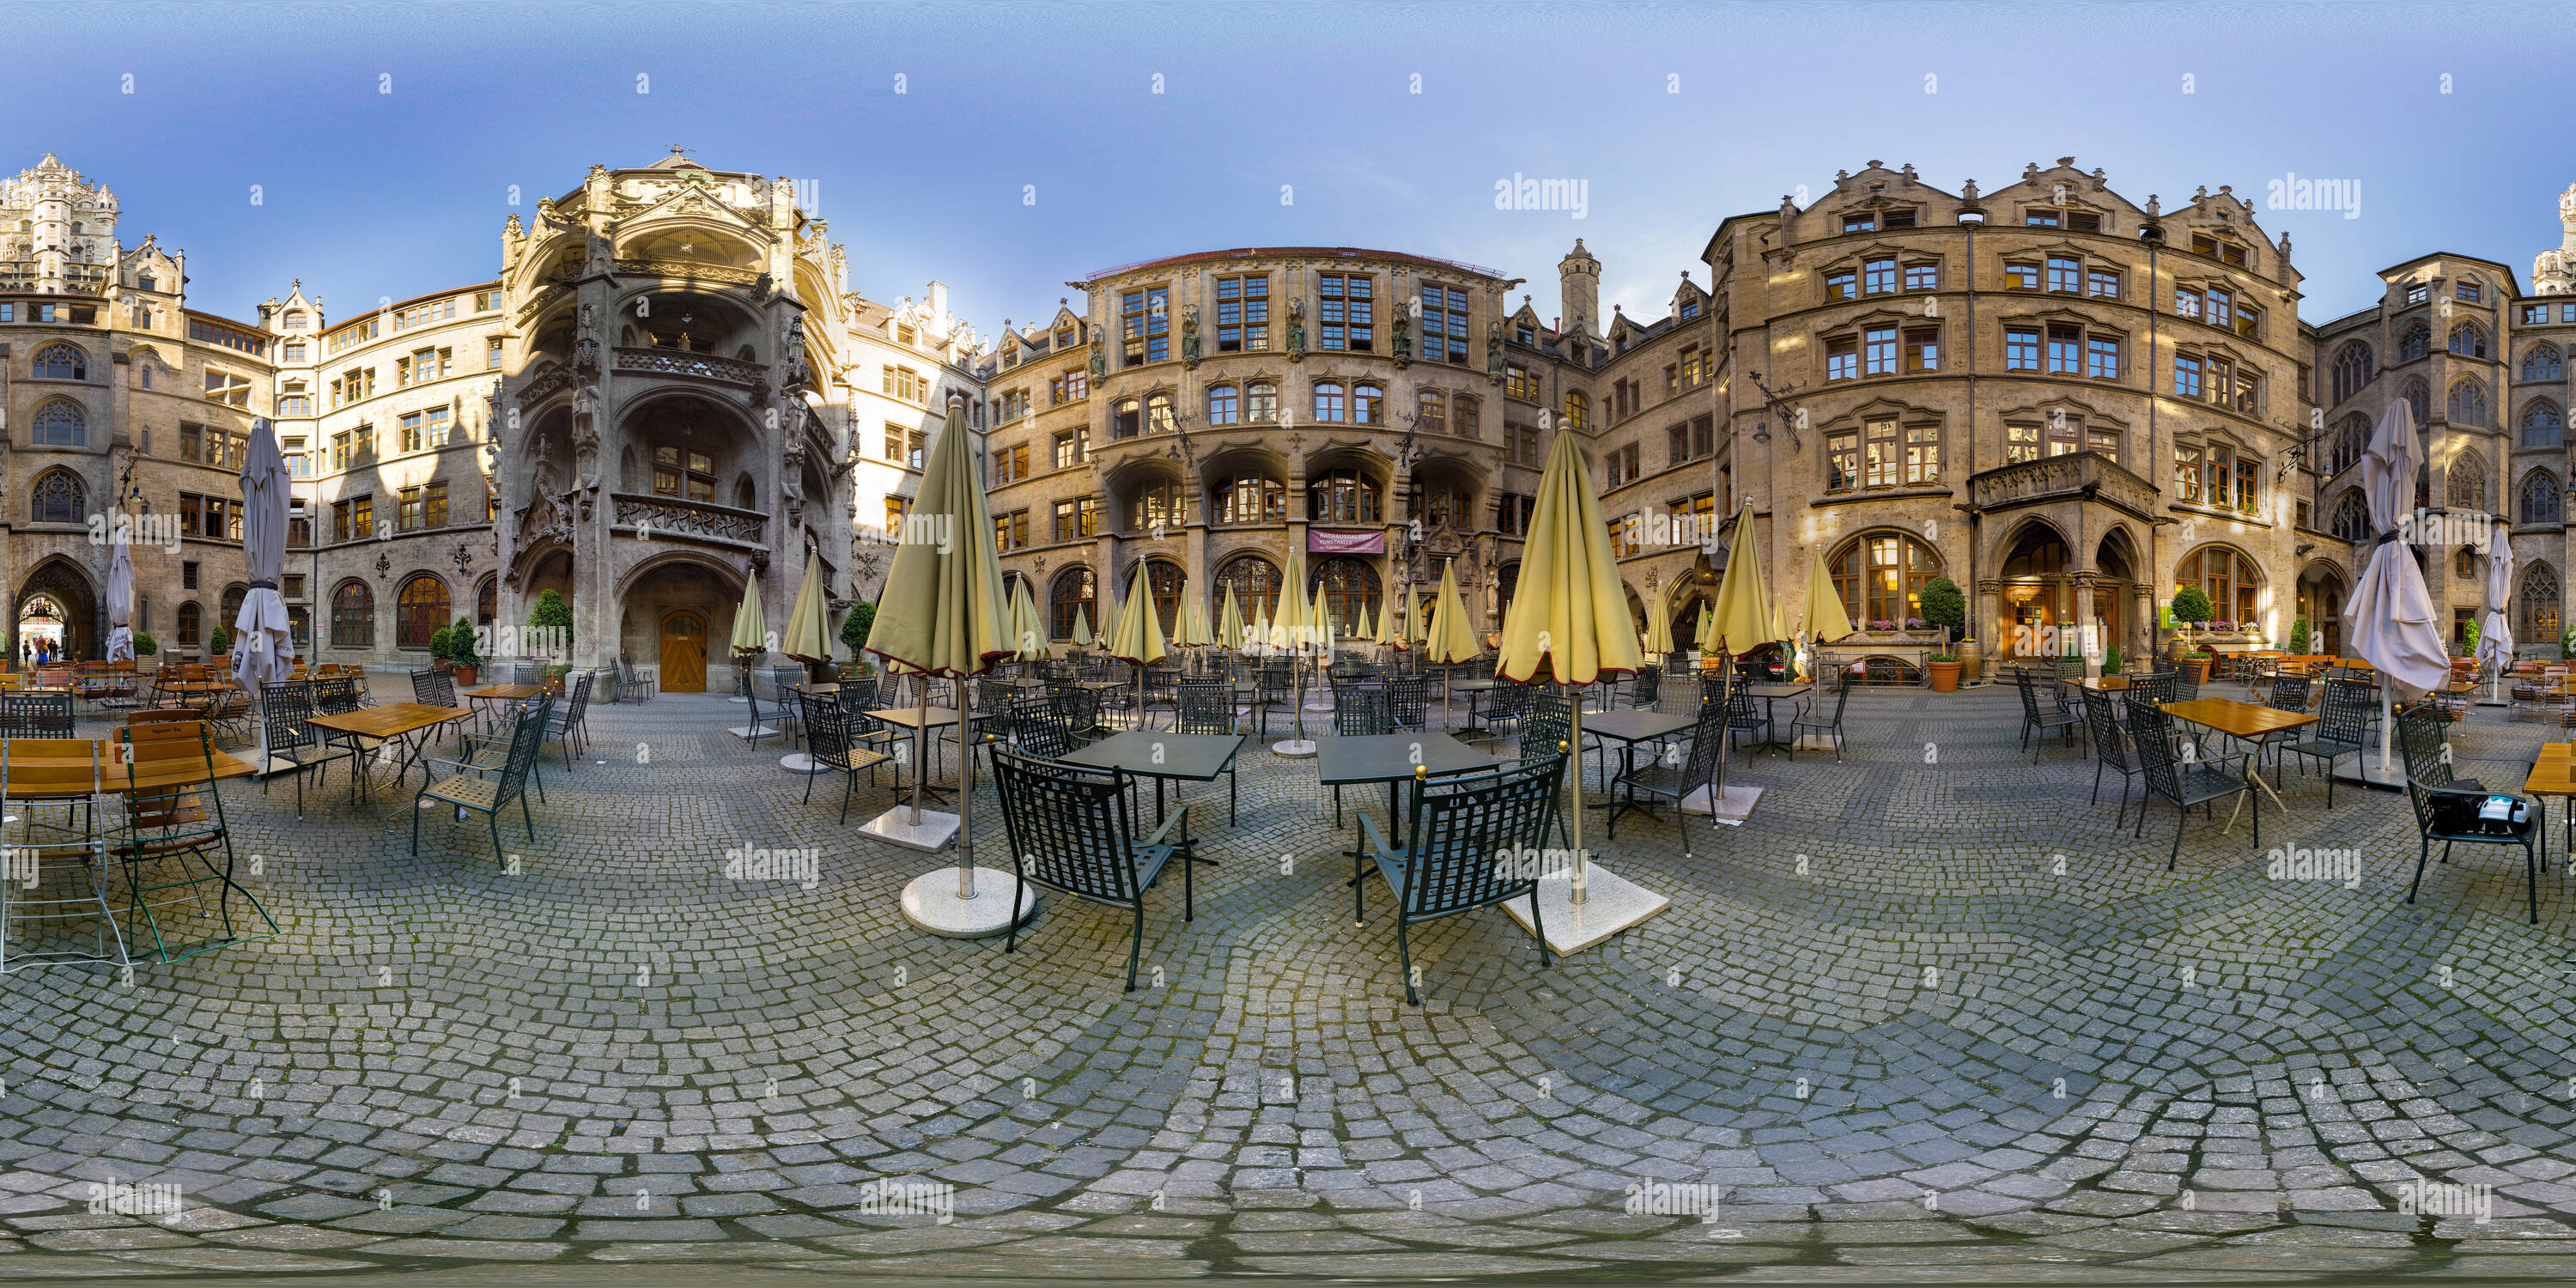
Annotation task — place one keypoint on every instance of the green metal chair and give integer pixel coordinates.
(481, 788)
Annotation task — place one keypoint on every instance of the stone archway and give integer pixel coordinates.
(68, 586)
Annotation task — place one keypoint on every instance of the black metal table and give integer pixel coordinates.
(1392, 758)
(1471, 688)
(1628, 728)
(1771, 694)
(1161, 755)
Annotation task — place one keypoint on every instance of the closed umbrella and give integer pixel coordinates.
(1027, 628)
(1744, 618)
(1659, 621)
(943, 613)
(1257, 639)
(749, 640)
(1823, 620)
(1569, 626)
(1138, 640)
(2390, 615)
(1194, 622)
(120, 598)
(1404, 626)
(809, 625)
(1294, 628)
(1451, 639)
(1229, 627)
(263, 637)
(1081, 626)
(1707, 626)
(2495, 635)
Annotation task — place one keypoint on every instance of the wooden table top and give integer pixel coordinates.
(506, 692)
(2098, 683)
(2551, 777)
(198, 686)
(391, 720)
(113, 775)
(2238, 719)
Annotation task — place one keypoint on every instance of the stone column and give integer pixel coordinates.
(1988, 608)
(2084, 619)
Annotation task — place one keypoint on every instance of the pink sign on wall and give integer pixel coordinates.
(1321, 542)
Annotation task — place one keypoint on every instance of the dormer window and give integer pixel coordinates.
(2040, 218)
(1866, 222)
(1690, 309)
(2082, 222)
(144, 282)
(1521, 334)
(1896, 219)
(2419, 292)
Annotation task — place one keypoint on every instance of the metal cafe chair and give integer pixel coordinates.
(283, 709)
(2448, 809)
(2110, 751)
(2035, 718)
(178, 820)
(2342, 729)
(1073, 829)
(1460, 837)
(1359, 710)
(479, 789)
(2185, 785)
(1675, 778)
(1207, 707)
(68, 774)
(835, 739)
(1811, 707)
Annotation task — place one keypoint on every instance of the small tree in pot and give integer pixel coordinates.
(1945, 607)
(462, 656)
(2191, 607)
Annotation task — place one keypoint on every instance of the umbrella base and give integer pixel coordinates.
(1735, 807)
(930, 835)
(1611, 904)
(750, 733)
(800, 763)
(1294, 748)
(2490, 702)
(930, 903)
(2364, 768)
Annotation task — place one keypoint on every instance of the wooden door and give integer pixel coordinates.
(684, 653)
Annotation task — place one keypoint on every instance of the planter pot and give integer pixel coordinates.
(1972, 661)
(2198, 668)
(467, 674)
(1945, 676)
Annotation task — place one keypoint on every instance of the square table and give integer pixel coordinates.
(1471, 688)
(2245, 722)
(2554, 774)
(925, 719)
(2097, 683)
(1628, 728)
(1391, 758)
(1184, 757)
(1771, 693)
(500, 693)
(406, 725)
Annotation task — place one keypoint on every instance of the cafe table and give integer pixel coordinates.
(2097, 683)
(1771, 694)
(500, 693)
(929, 720)
(406, 726)
(1161, 756)
(1475, 689)
(2245, 722)
(1391, 758)
(1628, 728)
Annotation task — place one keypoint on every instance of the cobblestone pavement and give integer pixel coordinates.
(1927, 1017)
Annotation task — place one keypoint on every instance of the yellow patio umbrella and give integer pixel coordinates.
(1385, 632)
(1569, 626)
(1257, 638)
(1823, 618)
(1194, 621)
(1139, 637)
(1081, 627)
(944, 612)
(1295, 626)
(1707, 627)
(809, 632)
(1744, 617)
(750, 640)
(1451, 638)
(1323, 623)
(1229, 624)
(1404, 626)
(1659, 621)
(1027, 627)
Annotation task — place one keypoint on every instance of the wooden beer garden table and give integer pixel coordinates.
(405, 725)
(501, 693)
(2097, 683)
(2245, 722)
(2554, 774)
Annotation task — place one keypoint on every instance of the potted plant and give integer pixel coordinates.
(1945, 672)
(217, 643)
(1946, 608)
(856, 624)
(2191, 607)
(2110, 659)
(462, 659)
(2299, 636)
(145, 645)
(438, 638)
(551, 620)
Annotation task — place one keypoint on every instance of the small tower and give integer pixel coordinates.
(1580, 278)
(2553, 272)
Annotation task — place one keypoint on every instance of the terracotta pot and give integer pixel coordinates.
(466, 675)
(1945, 676)
(2198, 667)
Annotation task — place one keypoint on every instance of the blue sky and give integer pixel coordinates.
(1277, 124)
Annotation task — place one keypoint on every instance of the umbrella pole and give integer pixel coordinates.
(1574, 789)
(920, 729)
(965, 792)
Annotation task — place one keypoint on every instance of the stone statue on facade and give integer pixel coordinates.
(1296, 327)
(1190, 335)
(1099, 362)
(795, 374)
(1494, 351)
(1403, 338)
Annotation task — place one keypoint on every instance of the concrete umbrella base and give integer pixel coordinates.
(930, 902)
(1735, 808)
(800, 763)
(1293, 748)
(929, 835)
(1611, 904)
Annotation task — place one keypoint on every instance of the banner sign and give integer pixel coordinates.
(1321, 542)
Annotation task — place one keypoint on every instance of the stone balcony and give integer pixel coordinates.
(698, 366)
(2076, 476)
(665, 518)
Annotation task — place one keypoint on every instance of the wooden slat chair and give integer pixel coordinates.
(1072, 828)
(48, 774)
(174, 815)
(476, 788)
(1461, 851)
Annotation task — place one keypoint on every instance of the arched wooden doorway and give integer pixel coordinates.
(684, 652)
(2038, 595)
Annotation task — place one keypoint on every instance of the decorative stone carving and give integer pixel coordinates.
(669, 516)
(585, 352)
(1099, 364)
(1190, 335)
(1494, 353)
(1296, 330)
(1403, 340)
(793, 371)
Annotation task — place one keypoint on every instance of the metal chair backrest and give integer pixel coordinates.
(2289, 693)
(1739, 709)
(527, 738)
(2029, 686)
(1550, 722)
(51, 768)
(1649, 681)
(2105, 728)
(1468, 835)
(181, 755)
(1070, 825)
(1360, 710)
(829, 731)
(434, 688)
(1160, 682)
(336, 695)
(284, 707)
(1040, 729)
(1079, 709)
(1272, 683)
(2423, 730)
(2155, 686)
(2343, 715)
(1206, 706)
(580, 700)
(35, 715)
(1508, 700)
(2151, 733)
(1406, 695)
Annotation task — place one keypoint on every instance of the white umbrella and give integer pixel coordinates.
(2390, 615)
(120, 598)
(263, 638)
(2495, 637)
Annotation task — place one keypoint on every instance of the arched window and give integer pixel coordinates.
(2351, 517)
(2541, 424)
(1158, 414)
(1251, 497)
(1431, 412)
(1225, 405)
(232, 602)
(1164, 579)
(1260, 402)
(419, 608)
(1368, 405)
(1073, 595)
(1345, 496)
(57, 497)
(1126, 419)
(1881, 575)
(2539, 614)
(2350, 442)
(1328, 401)
(146, 282)
(2418, 342)
(2465, 482)
(2542, 363)
(1578, 409)
(2539, 498)
(1350, 589)
(2229, 579)
(2468, 405)
(62, 362)
(192, 625)
(487, 598)
(2469, 340)
(2351, 370)
(353, 616)
(2419, 395)
(59, 423)
(1255, 582)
